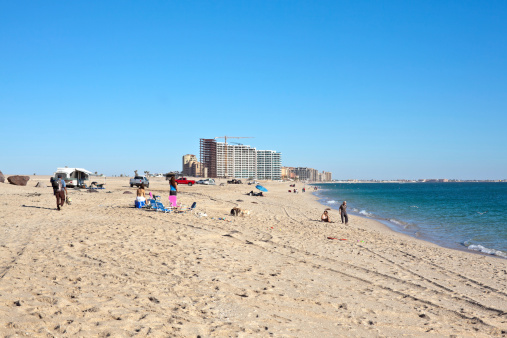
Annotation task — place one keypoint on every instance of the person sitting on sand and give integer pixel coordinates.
(141, 194)
(325, 217)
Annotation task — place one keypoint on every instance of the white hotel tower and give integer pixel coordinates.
(247, 162)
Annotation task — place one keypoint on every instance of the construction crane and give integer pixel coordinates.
(227, 151)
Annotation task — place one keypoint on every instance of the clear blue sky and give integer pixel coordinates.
(365, 89)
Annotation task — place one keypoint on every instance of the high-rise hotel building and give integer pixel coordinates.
(239, 161)
(269, 165)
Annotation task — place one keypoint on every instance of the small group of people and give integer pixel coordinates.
(173, 191)
(343, 213)
(252, 193)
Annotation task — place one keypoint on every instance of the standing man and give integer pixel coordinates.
(60, 190)
(343, 212)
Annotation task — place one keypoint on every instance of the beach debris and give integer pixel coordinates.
(127, 192)
(220, 219)
(2, 177)
(18, 180)
(338, 239)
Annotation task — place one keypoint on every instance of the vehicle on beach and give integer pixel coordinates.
(138, 180)
(184, 180)
(73, 177)
(208, 181)
(235, 181)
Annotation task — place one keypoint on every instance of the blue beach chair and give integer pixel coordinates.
(160, 207)
(151, 205)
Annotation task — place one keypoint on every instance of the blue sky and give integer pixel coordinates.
(365, 89)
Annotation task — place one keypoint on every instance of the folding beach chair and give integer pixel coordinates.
(160, 207)
(190, 209)
(151, 205)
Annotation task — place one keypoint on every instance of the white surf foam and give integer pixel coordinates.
(365, 213)
(488, 251)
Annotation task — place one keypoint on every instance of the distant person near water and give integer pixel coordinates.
(174, 186)
(325, 217)
(59, 190)
(343, 212)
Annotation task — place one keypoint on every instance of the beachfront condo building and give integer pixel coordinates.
(269, 165)
(239, 161)
(308, 174)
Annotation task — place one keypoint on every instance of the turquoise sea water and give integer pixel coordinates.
(471, 216)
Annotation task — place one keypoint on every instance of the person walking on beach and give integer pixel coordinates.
(59, 190)
(343, 212)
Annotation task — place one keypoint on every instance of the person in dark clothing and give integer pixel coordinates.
(59, 190)
(343, 212)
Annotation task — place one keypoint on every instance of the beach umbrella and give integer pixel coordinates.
(261, 188)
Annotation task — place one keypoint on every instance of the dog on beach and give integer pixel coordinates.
(239, 212)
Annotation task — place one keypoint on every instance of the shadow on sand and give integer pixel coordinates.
(33, 206)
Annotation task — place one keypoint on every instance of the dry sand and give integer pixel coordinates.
(101, 268)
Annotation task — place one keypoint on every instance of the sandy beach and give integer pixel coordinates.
(102, 268)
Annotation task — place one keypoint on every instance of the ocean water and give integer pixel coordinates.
(470, 216)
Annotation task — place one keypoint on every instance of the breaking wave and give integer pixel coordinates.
(365, 213)
(480, 248)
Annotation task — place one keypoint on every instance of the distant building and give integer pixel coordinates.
(191, 167)
(269, 165)
(239, 161)
(308, 174)
(288, 173)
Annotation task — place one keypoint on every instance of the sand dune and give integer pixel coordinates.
(100, 267)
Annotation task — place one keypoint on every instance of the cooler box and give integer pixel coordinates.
(139, 204)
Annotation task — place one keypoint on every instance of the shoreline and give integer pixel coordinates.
(424, 236)
(102, 267)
